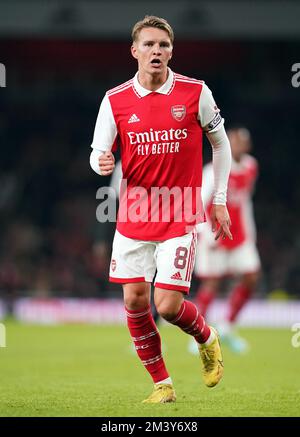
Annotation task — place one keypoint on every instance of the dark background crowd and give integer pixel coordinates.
(50, 240)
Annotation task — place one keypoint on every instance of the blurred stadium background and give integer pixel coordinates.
(60, 57)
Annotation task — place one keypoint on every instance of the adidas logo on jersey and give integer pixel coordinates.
(177, 276)
(134, 119)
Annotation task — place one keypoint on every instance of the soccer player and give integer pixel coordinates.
(239, 257)
(158, 119)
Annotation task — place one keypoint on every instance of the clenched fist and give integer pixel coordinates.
(106, 163)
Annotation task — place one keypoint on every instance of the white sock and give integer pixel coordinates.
(210, 338)
(165, 381)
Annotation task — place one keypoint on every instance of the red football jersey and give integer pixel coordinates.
(160, 139)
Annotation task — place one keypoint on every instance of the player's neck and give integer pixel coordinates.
(152, 82)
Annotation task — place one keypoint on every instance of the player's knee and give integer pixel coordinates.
(136, 296)
(167, 311)
(136, 302)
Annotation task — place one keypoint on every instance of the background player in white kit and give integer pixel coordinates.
(239, 257)
(158, 119)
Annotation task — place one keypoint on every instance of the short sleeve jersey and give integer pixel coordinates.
(160, 139)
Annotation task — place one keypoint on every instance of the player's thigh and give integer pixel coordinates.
(175, 262)
(245, 259)
(132, 261)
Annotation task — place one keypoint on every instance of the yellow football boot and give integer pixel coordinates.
(161, 394)
(212, 361)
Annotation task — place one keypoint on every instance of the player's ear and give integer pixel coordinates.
(134, 51)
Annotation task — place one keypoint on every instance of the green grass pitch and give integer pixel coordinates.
(86, 370)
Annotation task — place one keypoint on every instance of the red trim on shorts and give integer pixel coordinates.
(172, 287)
(126, 280)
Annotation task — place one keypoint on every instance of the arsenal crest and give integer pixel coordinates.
(178, 112)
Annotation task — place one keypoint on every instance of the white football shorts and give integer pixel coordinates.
(213, 261)
(137, 261)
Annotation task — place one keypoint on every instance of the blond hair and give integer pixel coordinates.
(152, 21)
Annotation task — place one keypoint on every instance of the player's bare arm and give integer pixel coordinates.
(220, 222)
(106, 163)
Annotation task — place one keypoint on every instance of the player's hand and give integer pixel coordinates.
(220, 222)
(106, 163)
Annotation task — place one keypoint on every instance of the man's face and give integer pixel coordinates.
(153, 50)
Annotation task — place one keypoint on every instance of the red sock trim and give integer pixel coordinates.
(146, 339)
(191, 322)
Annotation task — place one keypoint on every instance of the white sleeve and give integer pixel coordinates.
(208, 112)
(207, 189)
(94, 156)
(221, 163)
(105, 130)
